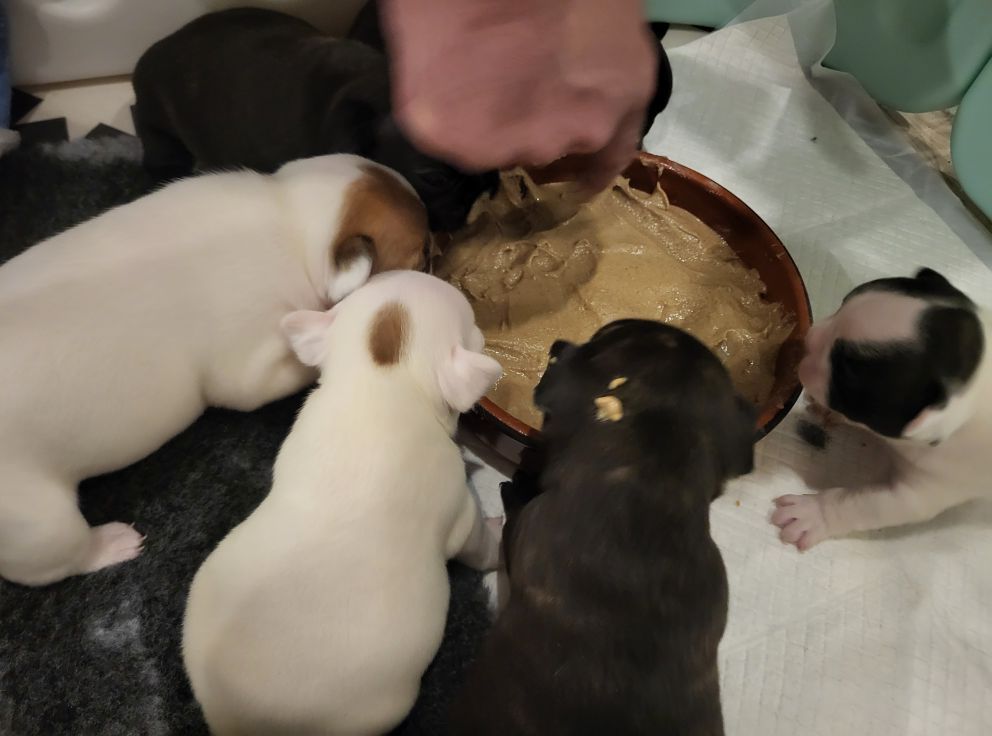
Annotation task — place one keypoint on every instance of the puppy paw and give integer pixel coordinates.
(112, 543)
(801, 520)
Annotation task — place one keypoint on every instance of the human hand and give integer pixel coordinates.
(490, 84)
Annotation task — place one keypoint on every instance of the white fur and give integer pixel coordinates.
(349, 277)
(940, 462)
(116, 334)
(320, 613)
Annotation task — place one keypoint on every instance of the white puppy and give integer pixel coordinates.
(116, 334)
(320, 613)
(907, 358)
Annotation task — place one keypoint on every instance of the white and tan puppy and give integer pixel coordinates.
(116, 334)
(320, 612)
(908, 358)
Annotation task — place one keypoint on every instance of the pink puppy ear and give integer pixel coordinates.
(465, 377)
(307, 334)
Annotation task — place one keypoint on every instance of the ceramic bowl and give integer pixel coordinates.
(758, 248)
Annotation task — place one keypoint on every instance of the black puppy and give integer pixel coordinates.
(618, 594)
(257, 88)
(367, 29)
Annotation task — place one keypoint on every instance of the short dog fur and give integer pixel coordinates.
(618, 594)
(908, 359)
(256, 88)
(320, 613)
(116, 334)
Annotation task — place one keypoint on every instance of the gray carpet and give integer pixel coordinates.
(99, 655)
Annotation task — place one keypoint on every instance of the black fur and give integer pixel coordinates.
(256, 88)
(662, 89)
(618, 594)
(886, 385)
(367, 29)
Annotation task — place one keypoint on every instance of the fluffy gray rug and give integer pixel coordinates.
(99, 655)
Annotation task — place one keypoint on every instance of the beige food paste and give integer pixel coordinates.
(538, 266)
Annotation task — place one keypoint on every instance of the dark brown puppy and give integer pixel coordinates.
(255, 88)
(618, 594)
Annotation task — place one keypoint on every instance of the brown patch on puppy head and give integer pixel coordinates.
(387, 336)
(384, 219)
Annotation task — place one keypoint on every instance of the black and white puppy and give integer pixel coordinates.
(256, 88)
(908, 359)
(618, 594)
(367, 29)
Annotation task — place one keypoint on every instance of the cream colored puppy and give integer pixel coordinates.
(116, 334)
(320, 613)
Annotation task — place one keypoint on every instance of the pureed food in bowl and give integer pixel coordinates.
(537, 266)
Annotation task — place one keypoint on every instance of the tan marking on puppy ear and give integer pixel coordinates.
(617, 382)
(388, 333)
(608, 408)
(382, 217)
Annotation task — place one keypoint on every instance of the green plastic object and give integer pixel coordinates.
(909, 55)
(706, 13)
(971, 141)
(913, 55)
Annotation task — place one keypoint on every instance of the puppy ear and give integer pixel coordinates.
(560, 349)
(739, 451)
(928, 275)
(353, 260)
(307, 334)
(465, 377)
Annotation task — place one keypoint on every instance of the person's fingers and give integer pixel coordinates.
(596, 171)
(575, 140)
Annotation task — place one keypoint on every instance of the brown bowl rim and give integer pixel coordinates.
(770, 415)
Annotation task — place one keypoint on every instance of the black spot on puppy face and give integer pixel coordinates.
(668, 386)
(883, 386)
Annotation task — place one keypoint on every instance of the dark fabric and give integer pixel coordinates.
(21, 103)
(99, 655)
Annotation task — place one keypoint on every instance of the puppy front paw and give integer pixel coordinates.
(112, 543)
(801, 520)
